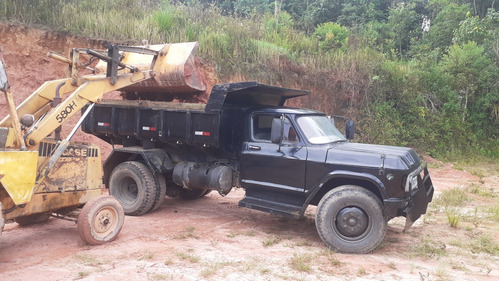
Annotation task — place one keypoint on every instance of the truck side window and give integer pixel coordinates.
(261, 127)
(289, 133)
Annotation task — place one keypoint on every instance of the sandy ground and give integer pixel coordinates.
(211, 238)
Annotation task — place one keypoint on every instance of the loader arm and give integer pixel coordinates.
(39, 102)
(91, 90)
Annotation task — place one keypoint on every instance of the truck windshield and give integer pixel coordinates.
(319, 129)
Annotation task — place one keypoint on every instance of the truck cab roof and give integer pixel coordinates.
(250, 94)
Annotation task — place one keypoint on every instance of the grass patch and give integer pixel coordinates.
(331, 257)
(301, 262)
(361, 271)
(492, 212)
(453, 197)
(273, 240)
(453, 214)
(392, 265)
(83, 274)
(208, 272)
(188, 257)
(484, 244)
(253, 264)
(480, 190)
(159, 276)
(147, 255)
(430, 249)
(212, 269)
(442, 274)
(88, 260)
(187, 233)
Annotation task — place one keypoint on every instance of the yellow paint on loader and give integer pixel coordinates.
(18, 173)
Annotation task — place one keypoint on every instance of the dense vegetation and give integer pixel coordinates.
(415, 73)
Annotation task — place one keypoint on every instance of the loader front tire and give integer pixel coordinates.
(100, 220)
(133, 184)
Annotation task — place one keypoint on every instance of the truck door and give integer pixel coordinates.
(274, 172)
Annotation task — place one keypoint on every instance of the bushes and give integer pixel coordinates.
(331, 36)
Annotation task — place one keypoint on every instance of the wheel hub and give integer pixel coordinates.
(103, 222)
(351, 221)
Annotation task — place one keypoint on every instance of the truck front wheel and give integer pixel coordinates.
(349, 219)
(133, 184)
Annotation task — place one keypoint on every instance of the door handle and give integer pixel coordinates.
(254, 147)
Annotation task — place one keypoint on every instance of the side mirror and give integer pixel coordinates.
(349, 129)
(277, 131)
(4, 84)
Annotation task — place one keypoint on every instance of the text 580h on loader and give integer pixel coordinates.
(42, 174)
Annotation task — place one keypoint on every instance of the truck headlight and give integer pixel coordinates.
(411, 183)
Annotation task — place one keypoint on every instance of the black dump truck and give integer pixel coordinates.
(284, 158)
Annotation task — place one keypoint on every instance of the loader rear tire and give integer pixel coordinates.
(100, 220)
(133, 184)
(32, 219)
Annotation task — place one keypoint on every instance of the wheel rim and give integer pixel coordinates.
(351, 223)
(127, 191)
(105, 222)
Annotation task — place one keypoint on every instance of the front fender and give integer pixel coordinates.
(344, 176)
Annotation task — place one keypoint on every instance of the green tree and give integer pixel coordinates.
(482, 31)
(474, 80)
(405, 24)
(447, 20)
(356, 13)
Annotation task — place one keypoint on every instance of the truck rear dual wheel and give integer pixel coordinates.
(161, 191)
(139, 191)
(349, 219)
(100, 220)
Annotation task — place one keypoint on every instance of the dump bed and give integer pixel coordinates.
(133, 122)
(122, 122)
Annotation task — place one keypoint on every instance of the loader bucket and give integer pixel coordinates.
(174, 70)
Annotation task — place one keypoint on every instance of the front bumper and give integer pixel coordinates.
(421, 195)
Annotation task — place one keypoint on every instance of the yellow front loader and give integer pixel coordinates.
(42, 174)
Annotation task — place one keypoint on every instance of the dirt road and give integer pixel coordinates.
(213, 239)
